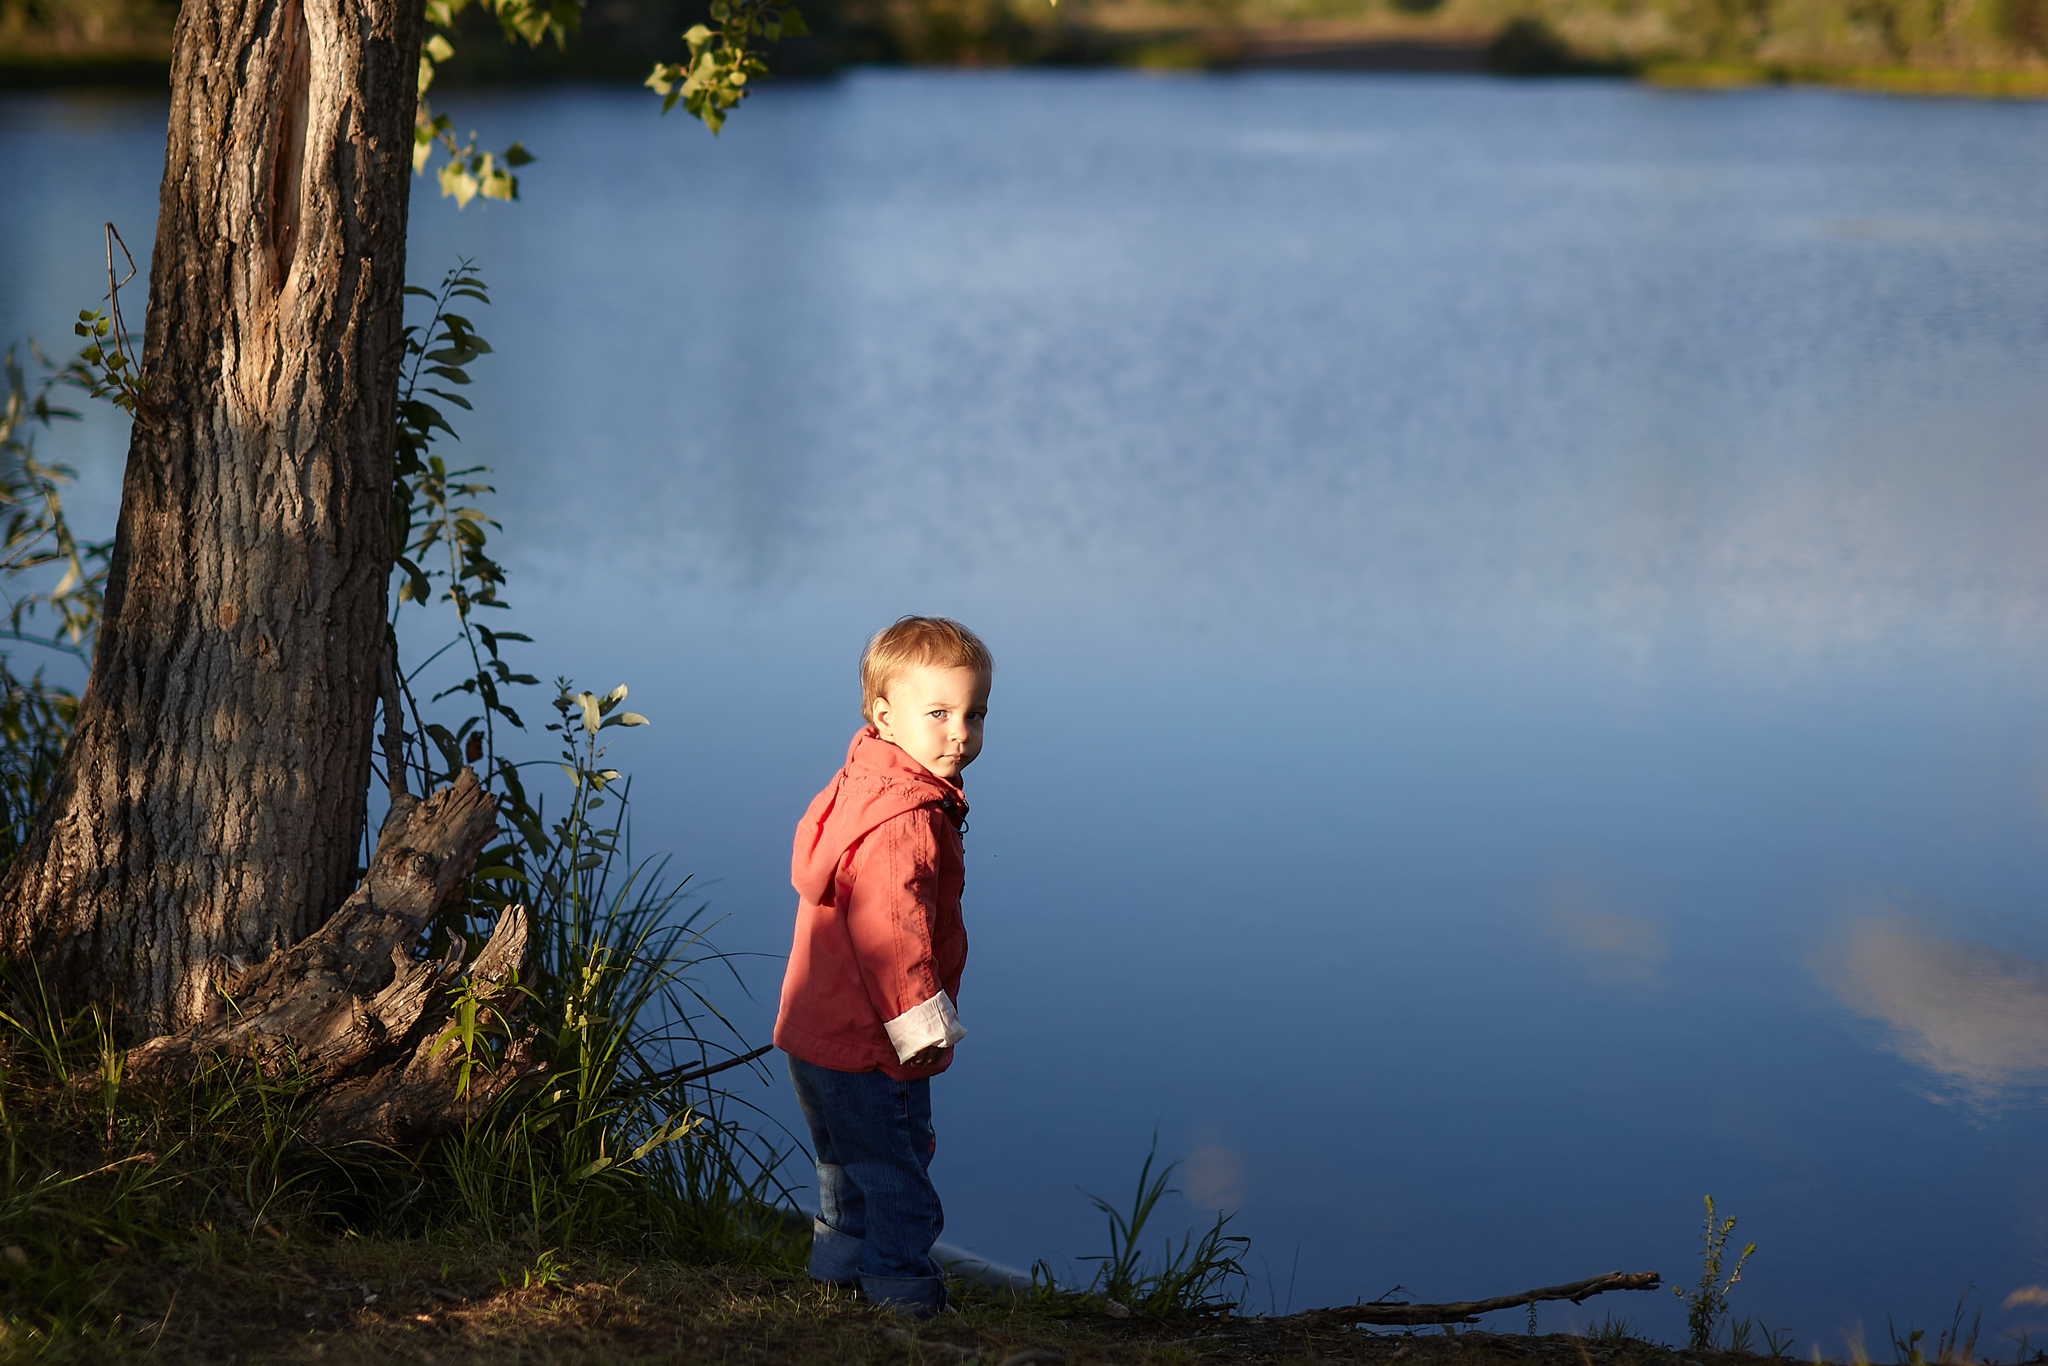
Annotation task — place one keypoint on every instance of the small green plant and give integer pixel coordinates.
(1188, 1278)
(1952, 1347)
(547, 1269)
(1707, 1303)
(107, 366)
(1778, 1342)
(1615, 1331)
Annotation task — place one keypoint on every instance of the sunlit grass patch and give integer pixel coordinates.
(2013, 82)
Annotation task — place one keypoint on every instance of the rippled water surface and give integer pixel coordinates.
(1519, 609)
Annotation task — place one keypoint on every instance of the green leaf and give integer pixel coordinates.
(458, 184)
(424, 416)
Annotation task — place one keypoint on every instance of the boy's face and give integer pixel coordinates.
(934, 715)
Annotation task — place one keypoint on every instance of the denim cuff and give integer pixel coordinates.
(918, 1296)
(835, 1256)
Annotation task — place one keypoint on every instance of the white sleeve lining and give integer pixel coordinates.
(921, 1026)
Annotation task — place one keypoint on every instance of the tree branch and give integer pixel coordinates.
(394, 724)
(1399, 1314)
(676, 1076)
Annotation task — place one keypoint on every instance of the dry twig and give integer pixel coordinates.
(1397, 1314)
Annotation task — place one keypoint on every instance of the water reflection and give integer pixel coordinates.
(1975, 1017)
(1622, 950)
(1213, 1177)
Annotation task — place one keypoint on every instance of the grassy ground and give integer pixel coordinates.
(236, 1301)
(1891, 80)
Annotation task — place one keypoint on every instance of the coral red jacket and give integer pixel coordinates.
(874, 971)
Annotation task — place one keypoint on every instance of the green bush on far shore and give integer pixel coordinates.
(1974, 47)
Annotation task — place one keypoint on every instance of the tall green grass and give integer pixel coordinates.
(616, 1148)
(1183, 1279)
(616, 1142)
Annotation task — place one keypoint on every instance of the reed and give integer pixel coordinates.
(1185, 1278)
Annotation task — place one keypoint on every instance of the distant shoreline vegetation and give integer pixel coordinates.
(1963, 47)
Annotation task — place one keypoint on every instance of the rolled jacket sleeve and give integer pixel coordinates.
(892, 914)
(924, 1024)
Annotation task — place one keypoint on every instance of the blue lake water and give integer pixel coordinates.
(1519, 609)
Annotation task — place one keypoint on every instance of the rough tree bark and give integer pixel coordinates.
(209, 810)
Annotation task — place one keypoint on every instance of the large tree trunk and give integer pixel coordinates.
(210, 807)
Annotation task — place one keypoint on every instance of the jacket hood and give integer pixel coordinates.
(879, 783)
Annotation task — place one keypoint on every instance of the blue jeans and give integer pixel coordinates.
(878, 1214)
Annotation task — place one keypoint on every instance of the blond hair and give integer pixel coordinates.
(915, 643)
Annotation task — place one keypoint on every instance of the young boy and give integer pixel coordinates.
(868, 1014)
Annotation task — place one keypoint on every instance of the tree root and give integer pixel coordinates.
(354, 1013)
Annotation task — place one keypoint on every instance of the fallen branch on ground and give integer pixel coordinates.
(1397, 1313)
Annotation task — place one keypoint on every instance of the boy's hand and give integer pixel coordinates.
(925, 1057)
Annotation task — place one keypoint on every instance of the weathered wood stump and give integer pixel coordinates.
(355, 1011)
